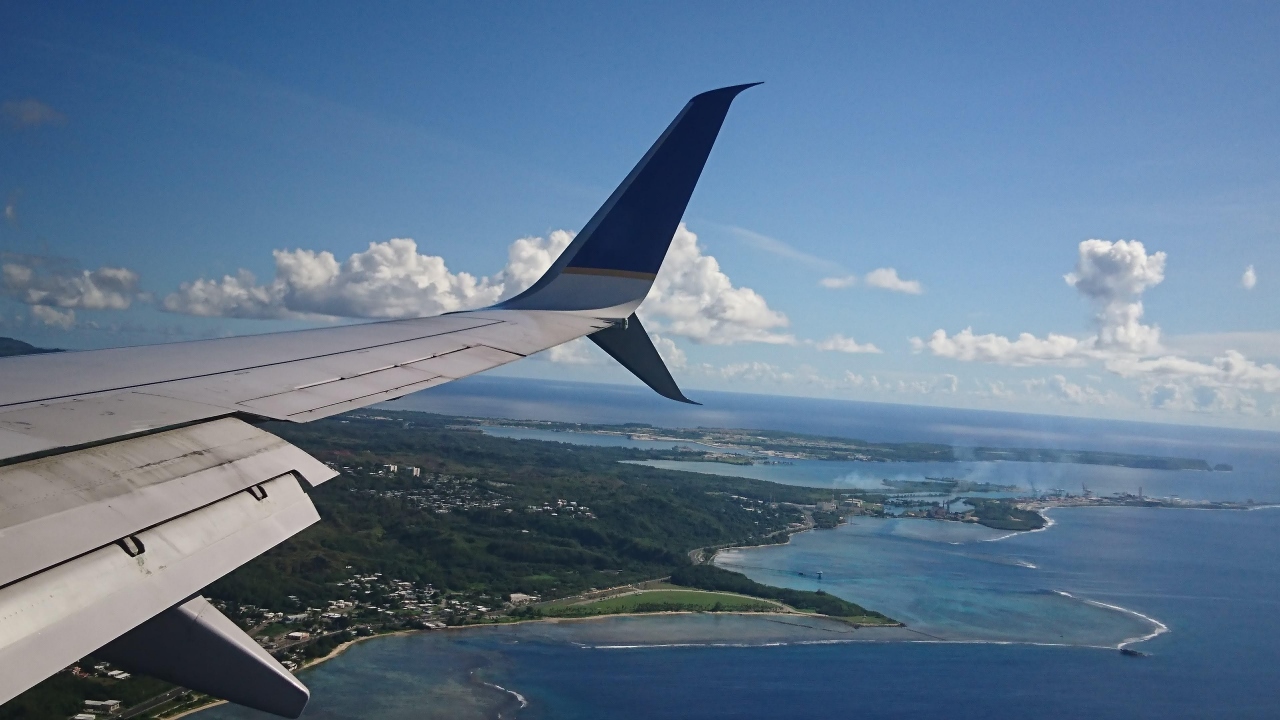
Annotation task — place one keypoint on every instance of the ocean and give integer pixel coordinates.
(999, 625)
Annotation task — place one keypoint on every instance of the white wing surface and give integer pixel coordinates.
(131, 478)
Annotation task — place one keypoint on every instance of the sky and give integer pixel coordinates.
(1066, 208)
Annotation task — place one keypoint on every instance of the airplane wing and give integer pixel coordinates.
(131, 478)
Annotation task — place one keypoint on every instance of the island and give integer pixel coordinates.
(771, 446)
(432, 524)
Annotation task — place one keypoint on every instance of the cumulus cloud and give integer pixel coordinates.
(1113, 276)
(44, 282)
(53, 317)
(841, 281)
(887, 279)
(1249, 279)
(944, 384)
(389, 279)
(1232, 369)
(840, 343)
(670, 353)
(1060, 388)
(1027, 349)
(30, 113)
(694, 299)
(574, 352)
(691, 298)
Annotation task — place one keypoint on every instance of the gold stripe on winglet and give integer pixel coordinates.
(609, 273)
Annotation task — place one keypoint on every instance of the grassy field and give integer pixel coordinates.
(665, 601)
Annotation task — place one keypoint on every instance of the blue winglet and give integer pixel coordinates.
(629, 235)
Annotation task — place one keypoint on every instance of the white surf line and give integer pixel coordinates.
(938, 641)
(523, 703)
(1160, 628)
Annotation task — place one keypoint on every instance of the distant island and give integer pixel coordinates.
(10, 347)
(770, 446)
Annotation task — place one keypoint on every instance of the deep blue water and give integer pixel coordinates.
(1211, 577)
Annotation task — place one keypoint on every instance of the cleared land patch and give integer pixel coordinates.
(665, 601)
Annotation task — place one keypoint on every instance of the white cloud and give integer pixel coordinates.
(54, 318)
(574, 352)
(835, 283)
(41, 281)
(1060, 388)
(11, 208)
(528, 258)
(887, 279)
(694, 299)
(1232, 369)
(840, 343)
(30, 113)
(1027, 349)
(1113, 275)
(691, 298)
(755, 372)
(1259, 343)
(670, 353)
(1249, 279)
(388, 280)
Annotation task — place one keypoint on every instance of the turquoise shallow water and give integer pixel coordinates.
(1210, 576)
(946, 581)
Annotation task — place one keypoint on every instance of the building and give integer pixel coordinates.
(299, 636)
(102, 707)
(521, 598)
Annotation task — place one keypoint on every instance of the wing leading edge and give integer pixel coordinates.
(131, 478)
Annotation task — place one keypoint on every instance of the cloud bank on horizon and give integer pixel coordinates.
(1113, 276)
(694, 300)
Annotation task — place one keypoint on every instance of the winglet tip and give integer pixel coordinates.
(729, 92)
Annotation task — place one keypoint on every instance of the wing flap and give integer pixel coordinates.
(66, 612)
(60, 507)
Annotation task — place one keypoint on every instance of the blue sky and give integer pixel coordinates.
(969, 149)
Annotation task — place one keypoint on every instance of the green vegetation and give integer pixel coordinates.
(485, 517)
(649, 601)
(710, 577)
(1084, 457)
(817, 447)
(63, 695)
(946, 485)
(1004, 514)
